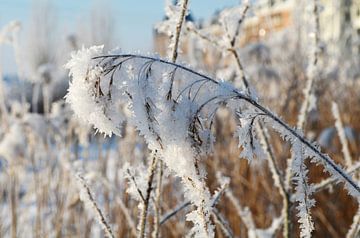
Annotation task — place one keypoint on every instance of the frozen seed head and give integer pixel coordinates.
(85, 95)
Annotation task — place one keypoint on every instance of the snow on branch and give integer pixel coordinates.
(173, 107)
(173, 111)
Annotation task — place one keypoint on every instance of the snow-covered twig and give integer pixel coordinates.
(215, 200)
(354, 230)
(89, 201)
(174, 55)
(326, 182)
(269, 117)
(296, 169)
(312, 70)
(264, 137)
(157, 202)
(340, 129)
(146, 198)
(179, 24)
(174, 212)
(128, 218)
(219, 219)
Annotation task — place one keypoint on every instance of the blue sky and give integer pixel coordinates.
(134, 19)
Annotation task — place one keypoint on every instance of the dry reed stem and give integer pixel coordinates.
(341, 132)
(157, 201)
(89, 201)
(311, 74)
(262, 133)
(178, 30)
(159, 163)
(265, 138)
(127, 215)
(354, 230)
(326, 182)
(146, 198)
(224, 225)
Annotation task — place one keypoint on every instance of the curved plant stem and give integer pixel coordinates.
(266, 113)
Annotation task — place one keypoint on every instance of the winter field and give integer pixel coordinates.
(242, 124)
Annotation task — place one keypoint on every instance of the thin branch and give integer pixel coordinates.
(160, 163)
(354, 230)
(224, 225)
(326, 182)
(143, 214)
(213, 42)
(87, 197)
(128, 218)
(279, 183)
(178, 30)
(215, 200)
(341, 132)
(174, 212)
(312, 68)
(240, 21)
(157, 201)
(311, 74)
(136, 186)
(244, 213)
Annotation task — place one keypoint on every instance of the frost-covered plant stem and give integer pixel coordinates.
(354, 230)
(174, 55)
(87, 197)
(213, 42)
(340, 129)
(301, 179)
(172, 213)
(202, 210)
(312, 67)
(157, 202)
(182, 206)
(224, 225)
(146, 198)
(326, 182)
(261, 129)
(233, 50)
(128, 218)
(268, 117)
(244, 213)
(278, 181)
(303, 191)
(188, 181)
(178, 30)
